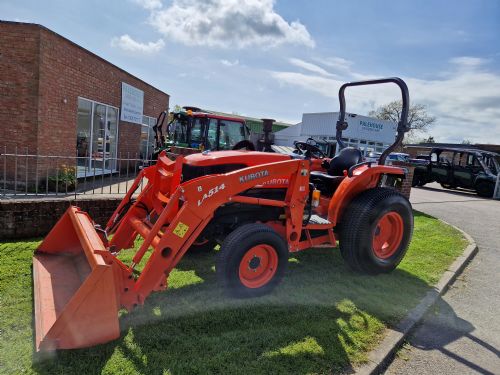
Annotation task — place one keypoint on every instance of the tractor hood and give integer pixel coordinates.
(247, 158)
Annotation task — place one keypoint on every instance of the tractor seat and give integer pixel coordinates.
(345, 159)
(325, 182)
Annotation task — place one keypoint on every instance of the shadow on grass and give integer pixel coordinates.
(321, 319)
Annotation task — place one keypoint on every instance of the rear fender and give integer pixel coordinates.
(363, 178)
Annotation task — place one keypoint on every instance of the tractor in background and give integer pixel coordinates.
(192, 130)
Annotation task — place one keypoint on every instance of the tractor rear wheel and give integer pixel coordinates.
(251, 261)
(376, 230)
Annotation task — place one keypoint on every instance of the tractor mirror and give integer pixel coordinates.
(434, 157)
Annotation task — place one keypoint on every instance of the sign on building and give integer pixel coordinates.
(132, 104)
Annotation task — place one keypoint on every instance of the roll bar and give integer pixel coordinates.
(402, 124)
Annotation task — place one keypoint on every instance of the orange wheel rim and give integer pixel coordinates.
(258, 266)
(387, 235)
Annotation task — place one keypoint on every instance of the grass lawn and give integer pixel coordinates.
(321, 319)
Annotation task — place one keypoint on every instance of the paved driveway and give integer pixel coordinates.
(461, 335)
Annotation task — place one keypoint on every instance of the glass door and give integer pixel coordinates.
(83, 125)
(111, 138)
(97, 138)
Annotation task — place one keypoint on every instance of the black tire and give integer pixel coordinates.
(418, 180)
(359, 225)
(242, 242)
(415, 180)
(485, 189)
(447, 186)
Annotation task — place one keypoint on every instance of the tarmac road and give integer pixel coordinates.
(461, 334)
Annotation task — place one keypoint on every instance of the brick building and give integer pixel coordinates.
(57, 98)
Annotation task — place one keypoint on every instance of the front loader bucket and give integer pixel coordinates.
(76, 303)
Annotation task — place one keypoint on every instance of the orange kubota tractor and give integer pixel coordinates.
(259, 206)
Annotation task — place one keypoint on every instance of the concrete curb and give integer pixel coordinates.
(394, 337)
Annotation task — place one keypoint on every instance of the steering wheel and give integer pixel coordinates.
(309, 150)
(244, 145)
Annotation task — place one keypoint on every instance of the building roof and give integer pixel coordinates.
(246, 118)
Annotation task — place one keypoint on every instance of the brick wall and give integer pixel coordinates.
(68, 71)
(42, 76)
(410, 168)
(35, 218)
(19, 60)
(415, 151)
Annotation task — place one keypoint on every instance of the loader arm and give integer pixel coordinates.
(79, 282)
(191, 208)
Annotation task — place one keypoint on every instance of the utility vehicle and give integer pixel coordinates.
(258, 206)
(453, 168)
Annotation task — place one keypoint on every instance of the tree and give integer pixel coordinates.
(429, 140)
(466, 142)
(419, 120)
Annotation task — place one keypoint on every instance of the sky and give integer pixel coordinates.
(279, 59)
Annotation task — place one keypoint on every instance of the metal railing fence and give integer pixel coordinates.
(27, 175)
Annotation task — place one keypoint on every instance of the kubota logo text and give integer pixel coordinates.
(254, 176)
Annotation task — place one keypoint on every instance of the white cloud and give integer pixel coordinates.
(126, 43)
(229, 63)
(228, 24)
(149, 4)
(309, 66)
(465, 98)
(467, 62)
(337, 63)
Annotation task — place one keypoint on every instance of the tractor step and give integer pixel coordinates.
(318, 220)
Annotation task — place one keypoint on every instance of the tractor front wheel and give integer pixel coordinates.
(376, 231)
(251, 261)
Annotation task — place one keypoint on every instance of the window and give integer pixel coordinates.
(231, 132)
(197, 131)
(96, 138)
(212, 134)
(147, 137)
(460, 159)
(83, 132)
(446, 157)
